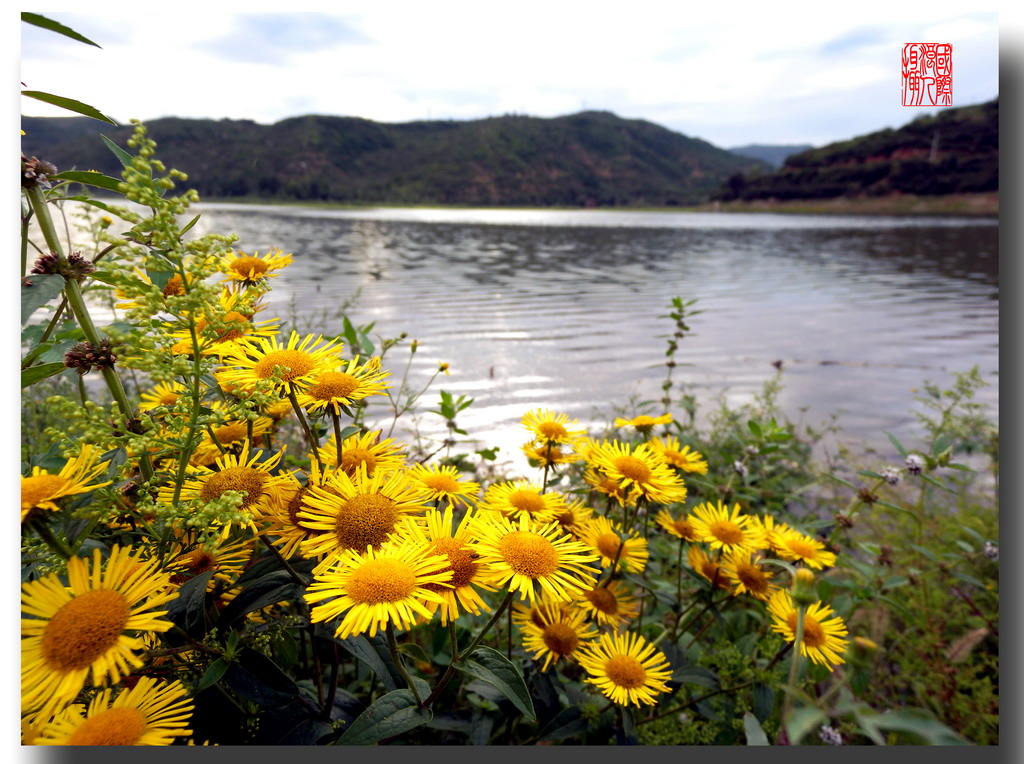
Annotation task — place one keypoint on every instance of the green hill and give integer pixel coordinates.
(955, 151)
(588, 159)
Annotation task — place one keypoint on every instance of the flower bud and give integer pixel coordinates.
(803, 590)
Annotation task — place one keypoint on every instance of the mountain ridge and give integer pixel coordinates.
(587, 159)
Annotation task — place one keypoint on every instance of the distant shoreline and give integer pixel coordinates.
(975, 205)
(972, 205)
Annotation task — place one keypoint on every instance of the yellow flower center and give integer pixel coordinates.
(365, 520)
(441, 483)
(608, 545)
(643, 421)
(683, 528)
(84, 628)
(814, 635)
(461, 562)
(235, 479)
(334, 384)
(296, 363)
(197, 561)
(250, 268)
(527, 501)
(633, 468)
(378, 581)
(566, 519)
(602, 599)
(174, 286)
(115, 726)
(801, 548)
(560, 638)
(229, 433)
(351, 458)
(40, 488)
(752, 577)
(726, 531)
(625, 671)
(529, 554)
(552, 431)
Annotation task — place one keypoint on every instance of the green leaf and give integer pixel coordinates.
(122, 156)
(348, 432)
(37, 290)
(414, 651)
(187, 610)
(33, 374)
(375, 654)
(257, 678)
(41, 21)
(212, 674)
(896, 443)
(490, 666)
(801, 721)
(754, 428)
(391, 715)
(567, 723)
(68, 103)
(752, 728)
(696, 675)
(273, 588)
(189, 225)
(90, 178)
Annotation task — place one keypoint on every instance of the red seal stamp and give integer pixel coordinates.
(927, 74)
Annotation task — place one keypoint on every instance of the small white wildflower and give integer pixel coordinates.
(891, 475)
(752, 451)
(991, 550)
(915, 464)
(740, 467)
(830, 735)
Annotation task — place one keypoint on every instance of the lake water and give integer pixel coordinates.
(560, 309)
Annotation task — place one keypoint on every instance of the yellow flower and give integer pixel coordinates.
(638, 471)
(444, 482)
(680, 457)
(707, 567)
(676, 526)
(560, 636)
(549, 454)
(522, 497)
(824, 637)
(605, 537)
(793, 545)
(467, 570)
(247, 270)
(533, 559)
(225, 557)
(746, 576)
(266, 363)
(41, 489)
(551, 427)
(364, 451)
(573, 518)
(242, 473)
(610, 605)
(643, 423)
(162, 394)
(150, 713)
(722, 529)
(284, 526)
(379, 587)
(81, 628)
(330, 390)
(226, 329)
(357, 513)
(626, 668)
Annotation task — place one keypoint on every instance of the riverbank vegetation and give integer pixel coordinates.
(226, 541)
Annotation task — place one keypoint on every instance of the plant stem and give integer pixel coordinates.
(397, 658)
(450, 671)
(794, 668)
(310, 437)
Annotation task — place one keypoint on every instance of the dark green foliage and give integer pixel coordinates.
(954, 151)
(582, 160)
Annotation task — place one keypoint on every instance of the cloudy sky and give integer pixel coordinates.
(728, 74)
